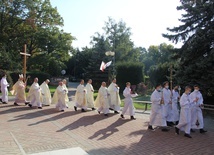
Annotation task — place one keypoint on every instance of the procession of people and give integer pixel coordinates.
(168, 109)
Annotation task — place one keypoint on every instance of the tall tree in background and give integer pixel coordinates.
(35, 23)
(196, 65)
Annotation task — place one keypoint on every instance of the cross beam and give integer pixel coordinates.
(25, 54)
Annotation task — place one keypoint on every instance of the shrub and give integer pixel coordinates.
(129, 72)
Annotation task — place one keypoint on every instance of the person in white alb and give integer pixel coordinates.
(196, 113)
(167, 107)
(59, 97)
(34, 95)
(64, 84)
(175, 110)
(114, 96)
(127, 93)
(46, 94)
(4, 89)
(80, 97)
(185, 115)
(102, 101)
(90, 94)
(157, 117)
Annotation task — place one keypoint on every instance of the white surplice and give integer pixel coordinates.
(59, 98)
(157, 117)
(102, 101)
(46, 94)
(80, 97)
(4, 90)
(114, 97)
(90, 95)
(34, 95)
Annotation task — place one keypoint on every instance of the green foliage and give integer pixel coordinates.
(33, 74)
(129, 72)
(36, 24)
(159, 73)
(196, 55)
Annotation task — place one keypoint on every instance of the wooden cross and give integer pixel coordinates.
(25, 60)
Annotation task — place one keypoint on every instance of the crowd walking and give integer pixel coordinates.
(168, 109)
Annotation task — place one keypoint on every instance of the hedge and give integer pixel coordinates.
(129, 72)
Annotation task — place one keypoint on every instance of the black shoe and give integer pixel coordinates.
(132, 118)
(0, 100)
(4, 102)
(122, 116)
(165, 130)
(177, 130)
(26, 103)
(151, 128)
(203, 131)
(176, 123)
(116, 112)
(191, 130)
(29, 105)
(111, 109)
(187, 135)
(169, 124)
(75, 108)
(98, 112)
(83, 110)
(39, 107)
(15, 104)
(93, 109)
(62, 110)
(105, 114)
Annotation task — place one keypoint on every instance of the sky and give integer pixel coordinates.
(148, 19)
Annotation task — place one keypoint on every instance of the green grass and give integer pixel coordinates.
(52, 89)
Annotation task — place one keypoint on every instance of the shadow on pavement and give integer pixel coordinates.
(158, 142)
(85, 121)
(110, 130)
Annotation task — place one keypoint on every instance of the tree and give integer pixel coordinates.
(195, 57)
(35, 23)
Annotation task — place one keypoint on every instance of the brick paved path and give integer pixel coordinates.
(25, 131)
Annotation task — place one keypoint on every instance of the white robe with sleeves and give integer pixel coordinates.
(157, 117)
(114, 97)
(102, 101)
(46, 94)
(4, 90)
(80, 97)
(90, 95)
(34, 95)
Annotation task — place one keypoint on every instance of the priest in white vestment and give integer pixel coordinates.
(59, 97)
(196, 112)
(90, 94)
(157, 117)
(19, 91)
(128, 102)
(4, 89)
(80, 97)
(185, 115)
(175, 110)
(34, 95)
(114, 97)
(64, 84)
(46, 94)
(102, 101)
(167, 107)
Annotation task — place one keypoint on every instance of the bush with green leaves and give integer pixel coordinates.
(129, 72)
